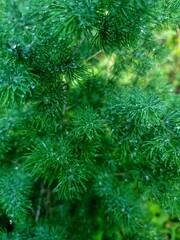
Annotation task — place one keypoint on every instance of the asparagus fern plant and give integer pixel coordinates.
(89, 127)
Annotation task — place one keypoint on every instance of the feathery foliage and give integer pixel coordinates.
(89, 124)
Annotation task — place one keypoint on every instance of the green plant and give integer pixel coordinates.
(89, 126)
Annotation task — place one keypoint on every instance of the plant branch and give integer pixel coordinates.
(93, 56)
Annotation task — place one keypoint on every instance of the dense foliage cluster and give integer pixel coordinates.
(89, 125)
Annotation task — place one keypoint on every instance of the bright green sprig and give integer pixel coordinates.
(51, 162)
(15, 192)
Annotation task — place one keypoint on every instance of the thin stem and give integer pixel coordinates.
(93, 56)
(38, 211)
(119, 174)
(48, 203)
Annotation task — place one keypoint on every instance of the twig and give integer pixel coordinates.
(119, 174)
(92, 56)
(48, 203)
(38, 211)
